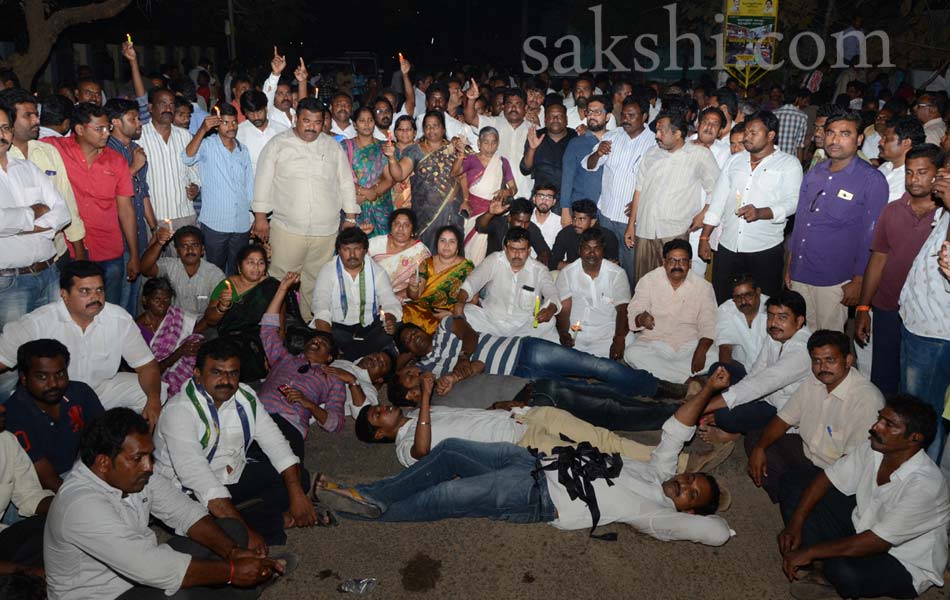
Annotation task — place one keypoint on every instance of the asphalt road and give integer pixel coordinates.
(475, 558)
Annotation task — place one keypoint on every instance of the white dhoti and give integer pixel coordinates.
(596, 339)
(515, 325)
(663, 362)
(124, 390)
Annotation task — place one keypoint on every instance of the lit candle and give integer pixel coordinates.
(382, 316)
(575, 329)
(400, 56)
(168, 223)
(227, 284)
(537, 309)
(217, 111)
(416, 282)
(128, 37)
(389, 135)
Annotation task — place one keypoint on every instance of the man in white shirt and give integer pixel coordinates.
(876, 519)
(511, 125)
(280, 102)
(545, 198)
(900, 135)
(304, 180)
(646, 495)
(21, 544)
(172, 185)
(929, 111)
(203, 443)
(32, 212)
(341, 109)
(256, 129)
(97, 541)
(529, 427)
(925, 320)
(780, 368)
(594, 294)
(666, 199)
(831, 410)
(99, 335)
(437, 98)
(741, 323)
(619, 154)
(192, 277)
(353, 299)
(753, 198)
(520, 298)
(673, 315)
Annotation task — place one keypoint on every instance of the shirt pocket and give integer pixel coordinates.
(525, 299)
(33, 195)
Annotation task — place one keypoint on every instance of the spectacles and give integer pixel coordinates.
(545, 196)
(102, 128)
(596, 111)
(679, 261)
(745, 296)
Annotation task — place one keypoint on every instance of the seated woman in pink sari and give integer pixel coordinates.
(400, 253)
(483, 177)
(170, 333)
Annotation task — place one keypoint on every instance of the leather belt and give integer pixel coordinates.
(37, 267)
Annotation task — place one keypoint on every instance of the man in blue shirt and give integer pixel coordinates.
(47, 413)
(126, 128)
(838, 207)
(227, 179)
(576, 182)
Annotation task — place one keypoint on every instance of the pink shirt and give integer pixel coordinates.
(900, 234)
(683, 315)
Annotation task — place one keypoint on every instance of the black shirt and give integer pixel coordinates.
(567, 244)
(56, 441)
(548, 159)
(498, 227)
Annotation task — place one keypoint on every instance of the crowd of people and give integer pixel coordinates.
(492, 276)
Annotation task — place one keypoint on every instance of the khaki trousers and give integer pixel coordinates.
(823, 305)
(546, 423)
(648, 254)
(305, 254)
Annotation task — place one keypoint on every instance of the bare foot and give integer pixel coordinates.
(289, 521)
(714, 435)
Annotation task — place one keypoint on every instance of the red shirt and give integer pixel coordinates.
(900, 234)
(96, 189)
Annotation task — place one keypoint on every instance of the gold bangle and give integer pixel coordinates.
(423, 423)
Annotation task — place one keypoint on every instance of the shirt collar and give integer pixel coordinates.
(843, 390)
(81, 470)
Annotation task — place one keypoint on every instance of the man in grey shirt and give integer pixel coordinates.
(191, 275)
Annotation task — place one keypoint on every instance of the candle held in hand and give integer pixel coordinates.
(217, 111)
(128, 37)
(537, 309)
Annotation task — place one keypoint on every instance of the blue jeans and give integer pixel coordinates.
(626, 254)
(541, 359)
(617, 413)
(130, 290)
(221, 248)
(114, 270)
(21, 294)
(745, 417)
(925, 374)
(459, 478)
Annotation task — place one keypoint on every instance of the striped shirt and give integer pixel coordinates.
(620, 170)
(924, 298)
(792, 128)
(500, 354)
(315, 384)
(167, 175)
(228, 185)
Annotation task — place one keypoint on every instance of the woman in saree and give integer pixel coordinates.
(237, 305)
(170, 332)
(400, 253)
(483, 177)
(370, 175)
(441, 276)
(405, 128)
(435, 192)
